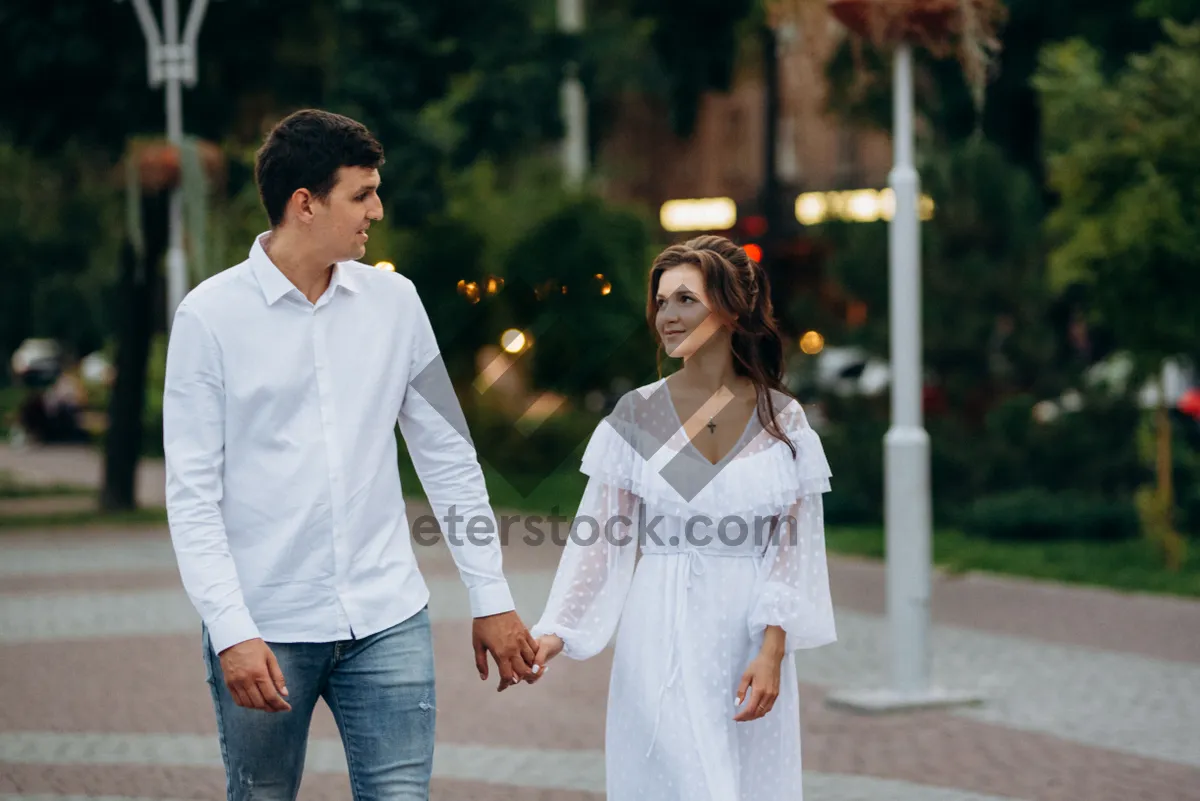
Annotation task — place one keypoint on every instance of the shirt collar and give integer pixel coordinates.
(275, 284)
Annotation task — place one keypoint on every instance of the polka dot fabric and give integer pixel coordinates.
(687, 563)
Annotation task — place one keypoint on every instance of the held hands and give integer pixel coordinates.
(510, 644)
(549, 646)
(253, 677)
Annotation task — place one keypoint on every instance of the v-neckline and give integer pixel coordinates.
(733, 449)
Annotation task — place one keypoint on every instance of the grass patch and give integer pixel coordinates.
(85, 519)
(1127, 565)
(10, 400)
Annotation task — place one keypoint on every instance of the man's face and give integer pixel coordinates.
(340, 222)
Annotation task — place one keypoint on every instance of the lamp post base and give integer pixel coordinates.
(880, 702)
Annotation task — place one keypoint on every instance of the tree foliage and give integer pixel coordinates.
(1122, 155)
(441, 83)
(861, 86)
(981, 271)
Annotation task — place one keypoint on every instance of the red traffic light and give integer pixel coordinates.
(753, 251)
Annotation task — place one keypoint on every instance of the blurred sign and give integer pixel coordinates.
(857, 205)
(698, 214)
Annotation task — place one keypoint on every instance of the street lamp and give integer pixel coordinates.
(907, 501)
(573, 102)
(171, 61)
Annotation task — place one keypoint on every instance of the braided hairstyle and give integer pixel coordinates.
(740, 291)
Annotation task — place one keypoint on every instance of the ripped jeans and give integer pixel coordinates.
(381, 692)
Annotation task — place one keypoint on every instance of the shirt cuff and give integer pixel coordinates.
(231, 629)
(491, 599)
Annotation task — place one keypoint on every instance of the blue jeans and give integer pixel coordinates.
(381, 692)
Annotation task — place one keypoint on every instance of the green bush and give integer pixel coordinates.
(1090, 453)
(1035, 514)
(853, 443)
(1186, 475)
(578, 279)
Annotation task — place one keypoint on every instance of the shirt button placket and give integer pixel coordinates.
(332, 456)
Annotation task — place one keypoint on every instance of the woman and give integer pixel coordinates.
(716, 477)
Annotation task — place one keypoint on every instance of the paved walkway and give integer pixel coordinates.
(1091, 695)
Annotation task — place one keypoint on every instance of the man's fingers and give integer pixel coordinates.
(481, 664)
(504, 672)
(528, 649)
(521, 665)
(239, 697)
(250, 690)
(271, 697)
(511, 671)
(276, 674)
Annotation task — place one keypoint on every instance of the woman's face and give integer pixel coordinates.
(685, 318)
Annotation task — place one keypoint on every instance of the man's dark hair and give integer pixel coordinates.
(305, 151)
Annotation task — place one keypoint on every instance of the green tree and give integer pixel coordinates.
(50, 223)
(441, 83)
(984, 291)
(1011, 112)
(1122, 155)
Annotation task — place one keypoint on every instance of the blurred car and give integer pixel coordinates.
(849, 371)
(36, 363)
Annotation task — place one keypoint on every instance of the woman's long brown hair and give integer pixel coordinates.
(739, 289)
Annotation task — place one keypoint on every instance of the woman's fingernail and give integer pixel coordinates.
(534, 669)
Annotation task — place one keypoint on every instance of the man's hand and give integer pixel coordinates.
(549, 646)
(253, 677)
(510, 644)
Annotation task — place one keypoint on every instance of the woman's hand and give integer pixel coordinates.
(760, 683)
(549, 646)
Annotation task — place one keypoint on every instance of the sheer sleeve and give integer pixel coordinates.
(597, 563)
(793, 588)
(793, 585)
(594, 573)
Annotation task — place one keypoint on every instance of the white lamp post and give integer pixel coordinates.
(907, 513)
(172, 61)
(574, 102)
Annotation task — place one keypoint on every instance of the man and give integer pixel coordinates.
(286, 375)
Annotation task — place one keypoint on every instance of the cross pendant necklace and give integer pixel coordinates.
(711, 426)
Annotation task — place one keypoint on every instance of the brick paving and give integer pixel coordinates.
(1092, 695)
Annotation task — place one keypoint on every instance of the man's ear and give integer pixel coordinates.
(301, 205)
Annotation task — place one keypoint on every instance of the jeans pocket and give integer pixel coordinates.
(207, 654)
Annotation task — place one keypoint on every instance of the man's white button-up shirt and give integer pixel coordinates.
(283, 493)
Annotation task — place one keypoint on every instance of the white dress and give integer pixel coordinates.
(692, 614)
